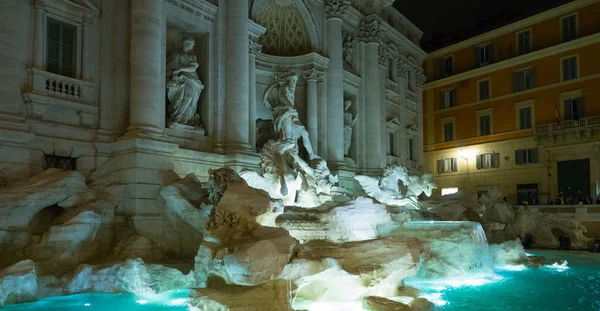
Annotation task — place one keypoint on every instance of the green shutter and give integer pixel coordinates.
(495, 160)
(440, 165)
(536, 155)
(515, 82)
(518, 157)
(478, 161)
(532, 76)
(454, 165)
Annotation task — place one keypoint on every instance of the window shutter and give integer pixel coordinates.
(580, 113)
(441, 100)
(442, 73)
(454, 165)
(478, 160)
(490, 48)
(565, 69)
(495, 159)
(476, 59)
(453, 98)
(440, 165)
(535, 156)
(518, 157)
(515, 81)
(532, 77)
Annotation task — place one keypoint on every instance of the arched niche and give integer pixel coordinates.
(291, 18)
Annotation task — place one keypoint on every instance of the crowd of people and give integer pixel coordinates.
(578, 199)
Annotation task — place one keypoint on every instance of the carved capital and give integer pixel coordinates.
(336, 8)
(313, 74)
(382, 56)
(253, 47)
(369, 31)
(403, 68)
(420, 78)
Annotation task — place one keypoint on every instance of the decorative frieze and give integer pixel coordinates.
(420, 78)
(369, 31)
(403, 68)
(313, 74)
(336, 8)
(201, 9)
(382, 55)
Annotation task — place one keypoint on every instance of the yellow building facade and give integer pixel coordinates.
(518, 107)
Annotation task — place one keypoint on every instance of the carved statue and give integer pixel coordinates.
(285, 175)
(184, 87)
(395, 187)
(286, 121)
(349, 122)
(348, 49)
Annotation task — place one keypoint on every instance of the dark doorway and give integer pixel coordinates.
(527, 193)
(574, 176)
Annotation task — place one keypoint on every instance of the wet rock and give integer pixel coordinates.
(508, 253)
(374, 303)
(18, 283)
(270, 296)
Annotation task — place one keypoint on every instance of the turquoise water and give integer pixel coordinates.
(576, 287)
(169, 301)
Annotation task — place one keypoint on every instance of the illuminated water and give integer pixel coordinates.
(519, 288)
(169, 301)
(576, 287)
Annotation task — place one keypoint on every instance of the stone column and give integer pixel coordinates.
(419, 144)
(147, 97)
(335, 82)
(236, 82)
(312, 76)
(88, 52)
(254, 49)
(39, 39)
(369, 35)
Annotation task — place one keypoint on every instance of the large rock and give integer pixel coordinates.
(132, 276)
(509, 253)
(30, 207)
(270, 296)
(357, 220)
(259, 257)
(374, 303)
(76, 236)
(185, 205)
(18, 283)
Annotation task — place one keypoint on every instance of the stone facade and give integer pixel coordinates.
(86, 81)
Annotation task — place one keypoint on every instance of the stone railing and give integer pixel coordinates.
(412, 165)
(568, 125)
(53, 85)
(585, 212)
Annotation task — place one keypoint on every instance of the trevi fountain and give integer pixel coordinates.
(244, 155)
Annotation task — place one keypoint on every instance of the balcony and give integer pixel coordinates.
(584, 126)
(53, 85)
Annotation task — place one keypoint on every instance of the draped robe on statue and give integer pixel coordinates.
(184, 89)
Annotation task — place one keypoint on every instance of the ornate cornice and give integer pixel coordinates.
(336, 8)
(403, 67)
(270, 63)
(369, 31)
(313, 74)
(253, 47)
(420, 78)
(202, 9)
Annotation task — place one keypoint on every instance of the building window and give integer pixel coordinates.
(568, 27)
(449, 131)
(485, 125)
(63, 163)
(484, 54)
(411, 149)
(447, 66)
(525, 156)
(524, 42)
(390, 69)
(61, 48)
(449, 191)
(573, 108)
(525, 115)
(569, 68)
(391, 144)
(488, 160)
(447, 99)
(524, 80)
(484, 89)
(447, 165)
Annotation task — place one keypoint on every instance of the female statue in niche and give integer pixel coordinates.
(184, 87)
(349, 122)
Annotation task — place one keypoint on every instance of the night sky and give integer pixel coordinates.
(448, 16)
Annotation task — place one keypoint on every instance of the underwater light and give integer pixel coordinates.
(142, 301)
(177, 302)
(87, 304)
(512, 267)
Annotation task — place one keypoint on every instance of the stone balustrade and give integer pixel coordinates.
(582, 124)
(50, 84)
(589, 212)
